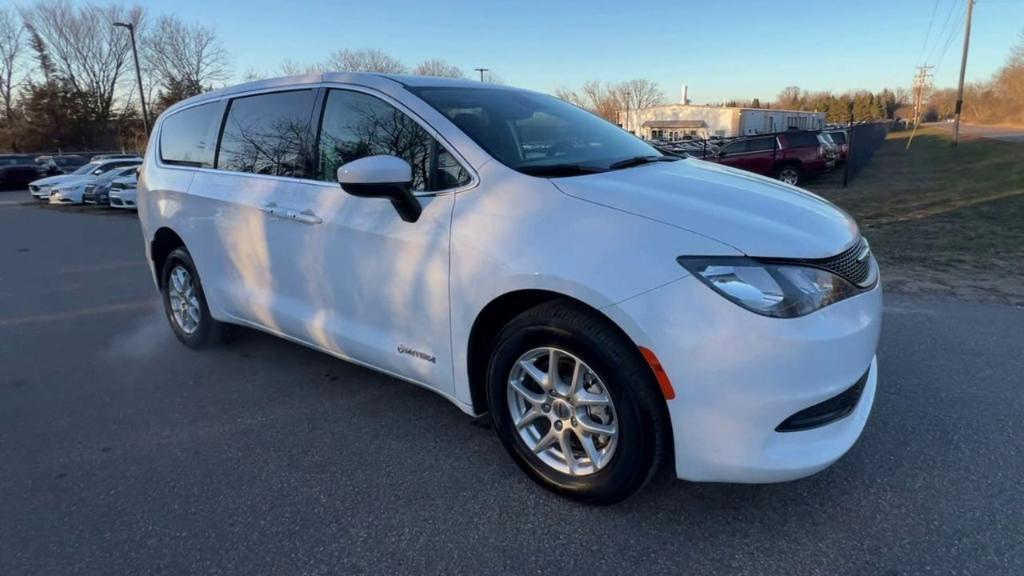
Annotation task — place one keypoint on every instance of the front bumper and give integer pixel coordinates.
(737, 376)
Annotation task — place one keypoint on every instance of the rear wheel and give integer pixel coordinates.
(575, 404)
(185, 302)
(789, 174)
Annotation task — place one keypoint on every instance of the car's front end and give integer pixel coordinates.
(123, 194)
(772, 363)
(767, 343)
(68, 193)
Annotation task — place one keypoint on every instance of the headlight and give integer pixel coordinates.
(779, 291)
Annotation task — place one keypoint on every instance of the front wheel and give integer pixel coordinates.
(575, 404)
(789, 174)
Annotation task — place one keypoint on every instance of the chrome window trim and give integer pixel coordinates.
(474, 177)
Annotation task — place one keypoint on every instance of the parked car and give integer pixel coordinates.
(831, 148)
(17, 170)
(98, 191)
(788, 156)
(100, 157)
(610, 307)
(69, 188)
(123, 193)
(839, 137)
(56, 165)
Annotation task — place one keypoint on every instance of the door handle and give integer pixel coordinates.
(270, 208)
(306, 216)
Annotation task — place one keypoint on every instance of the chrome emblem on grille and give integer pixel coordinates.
(865, 251)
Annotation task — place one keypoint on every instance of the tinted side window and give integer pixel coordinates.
(188, 137)
(735, 148)
(355, 125)
(802, 140)
(760, 144)
(267, 134)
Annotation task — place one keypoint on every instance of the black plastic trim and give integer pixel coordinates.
(823, 413)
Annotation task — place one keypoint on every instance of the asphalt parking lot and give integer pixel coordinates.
(123, 452)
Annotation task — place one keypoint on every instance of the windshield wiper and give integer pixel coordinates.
(639, 160)
(560, 170)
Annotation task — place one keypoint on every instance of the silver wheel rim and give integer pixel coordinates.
(789, 176)
(564, 415)
(183, 300)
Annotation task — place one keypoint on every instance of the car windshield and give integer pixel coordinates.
(838, 137)
(538, 134)
(114, 174)
(86, 168)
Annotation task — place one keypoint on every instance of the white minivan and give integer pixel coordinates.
(610, 307)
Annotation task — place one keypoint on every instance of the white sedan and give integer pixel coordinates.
(123, 193)
(69, 188)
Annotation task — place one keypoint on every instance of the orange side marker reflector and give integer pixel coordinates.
(659, 373)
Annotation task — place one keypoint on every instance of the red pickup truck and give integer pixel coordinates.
(787, 156)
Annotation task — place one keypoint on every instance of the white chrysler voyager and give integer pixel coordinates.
(612, 308)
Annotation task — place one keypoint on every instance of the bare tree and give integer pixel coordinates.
(294, 68)
(790, 98)
(369, 60)
(601, 98)
(438, 67)
(11, 45)
(86, 50)
(185, 57)
(640, 93)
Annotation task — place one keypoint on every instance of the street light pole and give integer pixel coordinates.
(481, 71)
(138, 73)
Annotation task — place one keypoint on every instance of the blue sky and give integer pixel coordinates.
(721, 49)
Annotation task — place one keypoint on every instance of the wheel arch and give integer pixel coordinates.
(163, 243)
(494, 316)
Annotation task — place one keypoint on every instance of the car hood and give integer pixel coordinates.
(59, 179)
(756, 215)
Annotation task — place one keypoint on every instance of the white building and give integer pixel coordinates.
(679, 121)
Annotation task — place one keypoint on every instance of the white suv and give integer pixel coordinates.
(610, 307)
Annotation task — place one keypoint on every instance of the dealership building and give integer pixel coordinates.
(683, 121)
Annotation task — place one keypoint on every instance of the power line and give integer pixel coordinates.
(942, 33)
(928, 34)
(949, 41)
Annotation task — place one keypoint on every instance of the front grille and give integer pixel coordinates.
(853, 264)
(835, 408)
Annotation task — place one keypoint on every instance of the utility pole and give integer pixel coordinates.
(922, 82)
(627, 94)
(963, 69)
(481, 71)
(138, 74)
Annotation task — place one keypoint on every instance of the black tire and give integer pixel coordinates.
(642, 418)
(787, 170)
(209, 332)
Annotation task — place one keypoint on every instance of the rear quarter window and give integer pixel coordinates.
(189, 137)
(802, 140)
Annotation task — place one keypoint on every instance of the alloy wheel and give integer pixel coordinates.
(183, 300)
(789, 176)
(562, 411)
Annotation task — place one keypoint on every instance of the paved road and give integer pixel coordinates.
(122, 452)
(979, 131)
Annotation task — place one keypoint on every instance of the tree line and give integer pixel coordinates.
(995, 101)
(67, 80)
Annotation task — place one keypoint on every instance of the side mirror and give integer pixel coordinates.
(382, 177)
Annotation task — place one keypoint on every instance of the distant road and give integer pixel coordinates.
(979, 131)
